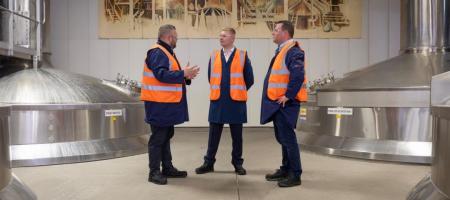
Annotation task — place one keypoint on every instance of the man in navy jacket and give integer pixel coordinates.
(163, 70)
(284, 110)
(230, 106)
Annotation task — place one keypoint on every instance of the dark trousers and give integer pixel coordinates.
(159, 147)
(215, 132)
(285, 135)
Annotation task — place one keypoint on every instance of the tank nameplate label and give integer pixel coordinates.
(113, 113)
(340, 111)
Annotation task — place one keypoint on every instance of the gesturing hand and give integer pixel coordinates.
(191, 72)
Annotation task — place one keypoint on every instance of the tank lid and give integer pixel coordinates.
(52, 86)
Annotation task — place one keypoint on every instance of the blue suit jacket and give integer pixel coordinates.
(295, 59)
(165, 114)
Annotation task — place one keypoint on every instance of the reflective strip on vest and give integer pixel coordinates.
(283, 71)
(242, 57)
(235, 75)
(215, 75)
(215, 87)
(162, 88)
(277, 85)
(238, 87)
(212, 74)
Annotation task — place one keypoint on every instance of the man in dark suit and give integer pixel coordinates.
(284, 89)
(230, 75)
(164, 93)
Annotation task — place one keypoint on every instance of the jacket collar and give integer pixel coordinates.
(166, 46)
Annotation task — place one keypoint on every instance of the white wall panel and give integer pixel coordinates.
(338, 58)
(78, 18)
(93, 24)
(318, 58)
(79, 56)
(305, 45)
(359, 48)
(99, 61)
(378, 30)
(394, 28)
(260, 54)
(76, 47)
(198, 91)
(59, 19)
(118, 58)
(59, 34)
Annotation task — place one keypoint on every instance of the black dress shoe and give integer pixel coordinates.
(277, 176)
(205, 168)
(290, 181)
(157, 178)
(239, 170)
(174, 173)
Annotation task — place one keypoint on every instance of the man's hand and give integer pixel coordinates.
(282, 100)
(191, 72)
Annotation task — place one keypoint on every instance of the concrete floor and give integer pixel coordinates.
(324, 177)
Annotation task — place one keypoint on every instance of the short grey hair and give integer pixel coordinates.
(165, 29)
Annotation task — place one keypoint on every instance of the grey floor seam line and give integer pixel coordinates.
(237, 187)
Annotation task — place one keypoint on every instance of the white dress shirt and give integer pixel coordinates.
(227, 53)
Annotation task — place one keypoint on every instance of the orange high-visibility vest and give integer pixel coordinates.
(238, 89)
(279, 77)
(156, 91)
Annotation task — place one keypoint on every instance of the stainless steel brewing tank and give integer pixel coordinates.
(437, 186)
(5, 167)
(382, 111)
(59, 117)
(11, 188)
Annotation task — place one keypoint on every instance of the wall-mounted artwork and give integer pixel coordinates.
(251, 18)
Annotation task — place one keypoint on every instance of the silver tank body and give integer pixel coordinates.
(437, 185)
(59, 117)
(11, 188)
(388, 103)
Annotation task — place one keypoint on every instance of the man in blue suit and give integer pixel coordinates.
(283, 91)
(230, 75)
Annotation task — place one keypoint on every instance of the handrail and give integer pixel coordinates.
(20, 15)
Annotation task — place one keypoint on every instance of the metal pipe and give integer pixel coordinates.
(37, 55)
(425, 25)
